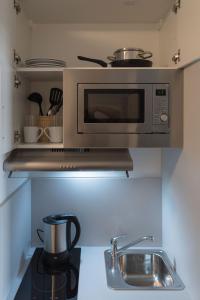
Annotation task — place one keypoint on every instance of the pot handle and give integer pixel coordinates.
(145, 54)
(111, 58)
(96, 61)
(71, 244)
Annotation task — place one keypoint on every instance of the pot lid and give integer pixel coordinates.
(128, 49)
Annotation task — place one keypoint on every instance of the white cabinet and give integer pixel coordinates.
(180, 31)
(39, 80)
(7, 38)
(14, 34)
(66, 41)
(168, 40)
(188, 30)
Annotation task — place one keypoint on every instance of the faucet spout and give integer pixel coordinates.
(131, 244)
(115, 250)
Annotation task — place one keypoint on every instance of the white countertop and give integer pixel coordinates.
(93, 285)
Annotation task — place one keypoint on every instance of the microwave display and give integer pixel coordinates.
(114, 105)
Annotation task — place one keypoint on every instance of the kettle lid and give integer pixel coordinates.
(56, 219)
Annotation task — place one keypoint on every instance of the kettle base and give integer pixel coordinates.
(55, 259)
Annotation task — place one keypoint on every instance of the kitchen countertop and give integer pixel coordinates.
(93, 285)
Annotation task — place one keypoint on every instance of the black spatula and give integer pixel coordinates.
(55, 98)
(36, 98)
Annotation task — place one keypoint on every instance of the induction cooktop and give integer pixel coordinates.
(46, 282)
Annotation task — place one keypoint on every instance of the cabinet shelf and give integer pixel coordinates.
(41, 74)
(40, 146)
(56, 74)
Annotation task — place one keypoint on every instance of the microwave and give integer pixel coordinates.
(122, 107)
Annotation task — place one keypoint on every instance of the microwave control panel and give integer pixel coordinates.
(161, 107)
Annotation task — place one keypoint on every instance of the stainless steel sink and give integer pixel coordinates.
(141, 269)
(145, 270)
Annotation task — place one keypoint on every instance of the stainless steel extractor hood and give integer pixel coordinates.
(52, 160)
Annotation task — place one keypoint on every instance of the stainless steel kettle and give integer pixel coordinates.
(57, 235)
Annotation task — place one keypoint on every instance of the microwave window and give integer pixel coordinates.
(114, 105)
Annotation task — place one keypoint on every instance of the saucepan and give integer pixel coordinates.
(124, 57)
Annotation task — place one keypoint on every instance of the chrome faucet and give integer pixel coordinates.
(114, 243)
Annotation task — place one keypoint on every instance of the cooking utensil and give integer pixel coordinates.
(94, 60)
(134, 63)
(130, 53)
(36, 98)
(57, 235)
(56, 95)
(55, 109)
(124, 57)
(120, 63)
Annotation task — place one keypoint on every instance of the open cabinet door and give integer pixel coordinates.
(7, 186)
(13, 34)
(7, 37)
(188, 31)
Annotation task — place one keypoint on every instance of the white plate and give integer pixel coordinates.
(45, 62)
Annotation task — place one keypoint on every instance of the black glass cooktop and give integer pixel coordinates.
(44, 282)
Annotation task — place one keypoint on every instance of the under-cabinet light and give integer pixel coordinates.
(71, 174)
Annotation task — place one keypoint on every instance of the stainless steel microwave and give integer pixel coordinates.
(120, 108)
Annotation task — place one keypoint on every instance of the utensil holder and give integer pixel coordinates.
(43, 122)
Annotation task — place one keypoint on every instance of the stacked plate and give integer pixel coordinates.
(45, 62)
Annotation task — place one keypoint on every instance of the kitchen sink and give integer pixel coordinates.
(145, 270)
(141, 269)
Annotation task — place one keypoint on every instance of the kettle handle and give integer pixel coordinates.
(72, 276)
(38, 233)
(71, 244)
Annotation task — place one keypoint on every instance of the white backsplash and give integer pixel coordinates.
(104, 207)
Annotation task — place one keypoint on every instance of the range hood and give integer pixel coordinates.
(54, 160)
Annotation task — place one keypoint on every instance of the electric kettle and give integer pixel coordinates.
(57, 236)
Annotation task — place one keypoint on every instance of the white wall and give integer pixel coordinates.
(66, 41)
(181, 184)
(15, 234)
(104, 207)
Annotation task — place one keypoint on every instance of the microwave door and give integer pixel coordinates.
(114, 108)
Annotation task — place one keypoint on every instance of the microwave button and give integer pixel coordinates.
(164, 117)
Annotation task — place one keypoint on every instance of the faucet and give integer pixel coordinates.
(114, 243)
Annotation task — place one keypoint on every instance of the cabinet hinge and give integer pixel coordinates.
(17, 82)
(17, 136)
(176, 58)
(176, 6)
(17, 6)
(16, 57)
